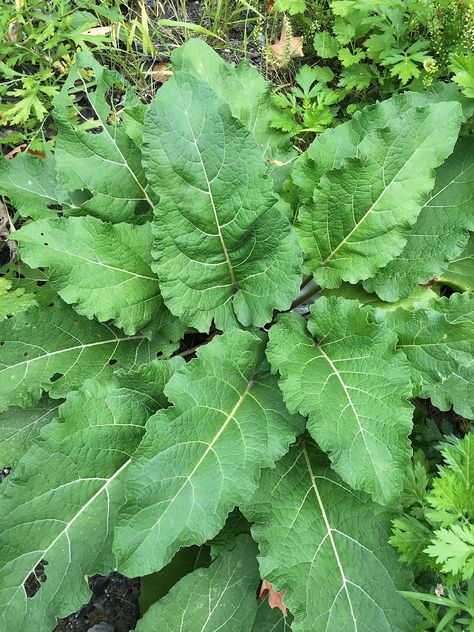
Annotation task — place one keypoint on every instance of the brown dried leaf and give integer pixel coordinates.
(275, 599)
(283, 49)
(20, 148)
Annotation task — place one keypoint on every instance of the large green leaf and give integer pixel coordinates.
(342, 371)
(361, 213)
(439, 344)
(53, 349)
(224, 252)
(460, 272)
(329, 149)
(102, 269)
(203, 456)
(441, 231)
(221, 597)
(59, 505)
(18, 428)
(103, 170)
(326, 546)
(30, 183)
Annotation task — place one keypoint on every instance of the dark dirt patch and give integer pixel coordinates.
(114, 601)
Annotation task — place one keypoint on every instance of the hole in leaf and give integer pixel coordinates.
(35, 579)
(26, 354)
(40, 283)
(56, 377)
(113, 361)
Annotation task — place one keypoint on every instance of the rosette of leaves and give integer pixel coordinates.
(153, 226)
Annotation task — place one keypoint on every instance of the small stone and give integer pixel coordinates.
(102, 627)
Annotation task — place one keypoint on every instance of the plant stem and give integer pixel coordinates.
(308, 291)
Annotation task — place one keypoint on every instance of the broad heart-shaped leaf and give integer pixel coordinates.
(103, 169)
(361, 213)
(65, 518)
(440, 232)
(245, 91)
(221, 597)
(327, 547)
(18, 428)
(203, 456)
(460, 272)
(345, 375)
(103, 270)
(439, 344)
(53, 349)
(30, 183)
(223, 250)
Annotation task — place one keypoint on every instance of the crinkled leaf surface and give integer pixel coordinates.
(30, 183)
(361, 213)
(439, 344)
(329, 149)
(221, 597)
(103, 270)
(460, 272)
(105, 166)
(326, 546)
(18, 428)
(66, 517)
(243, 88)
(223, 250)
(342, 371)
(441, 231)
(203, 456)
(53, 349)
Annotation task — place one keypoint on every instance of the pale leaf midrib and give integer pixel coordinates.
(65, 530)
(209, 449)
(214, 210)
(373, 206)
(83, 346)
(329, 531)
